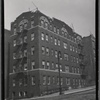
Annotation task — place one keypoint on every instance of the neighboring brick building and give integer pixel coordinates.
(6, 53)
(90, 58)
(35, 42)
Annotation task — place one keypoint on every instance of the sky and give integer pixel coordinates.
(77, 13)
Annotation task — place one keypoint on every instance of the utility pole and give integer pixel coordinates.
(60, 90)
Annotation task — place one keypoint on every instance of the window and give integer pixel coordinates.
(20, 82)
(46, 25)
(13, 94)
(48, 80)
(74, 59)
(13, 81)
(25, 66)
(68, 81)
(32, 36)
(47, 37)
(50, 27)
(21, 28)
(52, 52)
(32, 50)
(25, 53)
(42, 23)
(20, 94)
(14, 43)
(71, 58)
(51, 39)
(65, 45)
(14, 69)
(54, 29)
(55, 41)
(47, 51)
(77, 60)
(73, 81)
(76, 50)
(61, 81)
(75, 70)
(56, 55)
(33, 64)
(25, 81)
(56, 66)
(25, 25)
(65, 34)
(53, 79)
(25, 39)
(62, 33)
(72, 69)
(70, 47)
(20, 54)
(66, 68)
(78, 70)
(52, 64)
(15, 31)
(42, 36)
(57, 80)
(43, 64)
(73, 48)
(14, 55)
(66, 57)
(58, 42)
(60, 68)
(44, 80)
(25, 93)
(33, 80)
(48, 65)
(32, 23)
(19, 41)
(43, 50)
(58, 31)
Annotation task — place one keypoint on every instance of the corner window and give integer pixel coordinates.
(32, 36)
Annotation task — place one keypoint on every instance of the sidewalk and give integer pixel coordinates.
(65, 92)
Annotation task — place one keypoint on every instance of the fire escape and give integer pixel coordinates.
(21, 55)
(81, 61)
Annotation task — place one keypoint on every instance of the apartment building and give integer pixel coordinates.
(39, 46)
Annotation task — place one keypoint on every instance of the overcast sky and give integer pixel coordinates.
(80, 13)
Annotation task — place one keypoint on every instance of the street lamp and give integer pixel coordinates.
(59, 56)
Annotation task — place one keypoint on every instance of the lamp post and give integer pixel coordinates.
(60, 90)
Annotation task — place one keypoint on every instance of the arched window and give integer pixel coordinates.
(46, 25)
(42, 23)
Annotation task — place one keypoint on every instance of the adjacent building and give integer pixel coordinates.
(39, 46)
(90, 58)
(6, 59)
